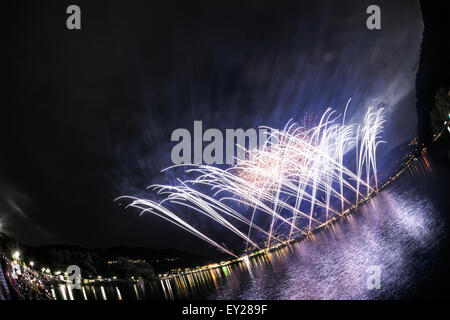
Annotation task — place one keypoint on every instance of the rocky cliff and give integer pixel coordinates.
(434, 67)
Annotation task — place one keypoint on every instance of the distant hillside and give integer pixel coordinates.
(160, 260)
(386, 165)
(103, 261)
(392, 160)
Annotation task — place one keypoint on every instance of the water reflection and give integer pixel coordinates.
(399, 231)
(101, 292)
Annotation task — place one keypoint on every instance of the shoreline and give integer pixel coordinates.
(349, 211)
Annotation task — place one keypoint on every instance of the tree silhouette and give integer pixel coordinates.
(441, 109)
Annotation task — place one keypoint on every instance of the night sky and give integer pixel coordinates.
(88, 114)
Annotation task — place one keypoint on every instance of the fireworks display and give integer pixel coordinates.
(295, 182)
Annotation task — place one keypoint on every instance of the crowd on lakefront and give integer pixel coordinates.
(19, 282)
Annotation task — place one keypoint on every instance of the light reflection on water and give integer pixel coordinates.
(399, 231)
(99, 292)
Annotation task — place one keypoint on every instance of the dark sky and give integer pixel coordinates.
(87, 115)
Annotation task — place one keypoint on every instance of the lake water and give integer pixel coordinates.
(402, 234)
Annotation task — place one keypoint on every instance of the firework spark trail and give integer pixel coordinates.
(154, 208)
(370, 139)
(293, 179)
